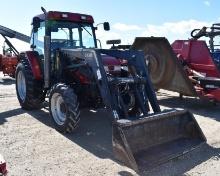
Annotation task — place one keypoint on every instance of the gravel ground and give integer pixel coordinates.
(31, 146)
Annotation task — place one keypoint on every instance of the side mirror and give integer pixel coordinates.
(106, 26)
(36, 23)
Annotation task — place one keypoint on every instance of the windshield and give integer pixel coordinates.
(71, 35)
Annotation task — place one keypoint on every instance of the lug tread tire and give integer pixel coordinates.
(72, 106)
(34, 88)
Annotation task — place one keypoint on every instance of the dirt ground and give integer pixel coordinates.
(31, 146)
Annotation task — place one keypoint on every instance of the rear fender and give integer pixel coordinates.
(33, 58)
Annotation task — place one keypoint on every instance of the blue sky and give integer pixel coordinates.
(173, 19)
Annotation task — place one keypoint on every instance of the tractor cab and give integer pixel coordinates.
(54, 31)
(66, 30)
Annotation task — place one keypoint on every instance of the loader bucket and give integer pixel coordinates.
(153, 140)
(165, 70)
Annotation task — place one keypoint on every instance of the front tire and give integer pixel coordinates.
(64, 108)
(29, 91)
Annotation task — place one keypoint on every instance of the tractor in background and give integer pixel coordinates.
(66, 66)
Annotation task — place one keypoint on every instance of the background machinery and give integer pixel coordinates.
(201, 62)
(9, 58)
(189, 67)
(65, 65)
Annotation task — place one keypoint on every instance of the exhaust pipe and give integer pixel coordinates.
(47, 62)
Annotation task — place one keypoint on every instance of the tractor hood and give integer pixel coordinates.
(111, 64)
(108, 60)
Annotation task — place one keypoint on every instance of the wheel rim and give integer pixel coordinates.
(58, 109)
(21, 85)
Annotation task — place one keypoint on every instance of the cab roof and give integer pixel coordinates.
(66, 16)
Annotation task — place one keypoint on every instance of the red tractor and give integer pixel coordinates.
(66, 66)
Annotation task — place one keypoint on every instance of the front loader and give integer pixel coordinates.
(67, 66)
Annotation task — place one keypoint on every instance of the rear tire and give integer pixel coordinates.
(29, 91)
(64, 108)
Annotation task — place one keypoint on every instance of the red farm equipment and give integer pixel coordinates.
(188, 67)
(3, 169)
(8, 64)
(66, 66)
(9, 58)
(201, 63)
